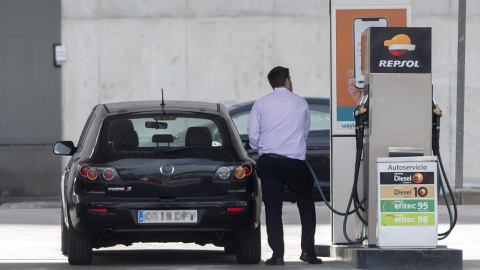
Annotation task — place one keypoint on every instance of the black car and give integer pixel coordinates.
(150, 171)
(318, 141)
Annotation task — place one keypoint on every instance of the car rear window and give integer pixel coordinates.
(160, 135)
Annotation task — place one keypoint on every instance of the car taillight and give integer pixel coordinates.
(235, 209)
(240, 172)
(224, 172)
(244, 170)
(92, 174)
(248, 168)
(108, 174)
(98, 210)
(83, 170)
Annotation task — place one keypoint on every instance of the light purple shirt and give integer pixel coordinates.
(279, 124)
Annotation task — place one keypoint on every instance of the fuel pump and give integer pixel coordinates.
(395, 128)
(393, 140)
(361, 121)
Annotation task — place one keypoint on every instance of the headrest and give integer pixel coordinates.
(198, 136)
(162, 138)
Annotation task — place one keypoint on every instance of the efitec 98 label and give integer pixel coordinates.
(408, 219)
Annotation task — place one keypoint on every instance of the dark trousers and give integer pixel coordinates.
(275, 173)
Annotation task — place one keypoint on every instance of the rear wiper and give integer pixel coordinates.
(189, 148)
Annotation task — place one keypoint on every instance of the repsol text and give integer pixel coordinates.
(398, 63)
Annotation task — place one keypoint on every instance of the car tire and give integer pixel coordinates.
(249, 248)
(64, 236)
(79, 248)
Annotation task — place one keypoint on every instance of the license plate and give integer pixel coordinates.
(167, 216)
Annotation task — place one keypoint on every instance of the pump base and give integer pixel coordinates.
(362, 257)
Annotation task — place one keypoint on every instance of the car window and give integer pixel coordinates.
(154, 135)
(87, 131)
(241, 121)
(319, 119)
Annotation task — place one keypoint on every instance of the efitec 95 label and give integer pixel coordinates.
(427, 205)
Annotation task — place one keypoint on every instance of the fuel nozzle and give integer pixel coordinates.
(360, 114)
(437, 113)
(359, 111)
(436, 110)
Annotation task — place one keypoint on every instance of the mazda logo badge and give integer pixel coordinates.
(167, 169)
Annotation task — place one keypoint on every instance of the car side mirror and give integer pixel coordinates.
(64, 148)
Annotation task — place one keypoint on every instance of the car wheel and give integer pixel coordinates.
(249, 248)
(79, 248)
(64, 231)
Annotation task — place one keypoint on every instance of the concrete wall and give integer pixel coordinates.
(30, 104)
(221, 51)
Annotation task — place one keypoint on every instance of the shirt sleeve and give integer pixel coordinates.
(307, 121)
(254, 127)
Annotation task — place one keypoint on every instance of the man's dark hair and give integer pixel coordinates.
(277, 76)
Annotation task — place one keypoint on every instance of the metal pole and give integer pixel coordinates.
(462, 6)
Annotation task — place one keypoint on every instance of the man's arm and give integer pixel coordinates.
(254, 127)
(307, 121)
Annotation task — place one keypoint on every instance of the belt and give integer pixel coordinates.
(276, 156)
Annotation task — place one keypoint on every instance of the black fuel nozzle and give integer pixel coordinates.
(360, 114)
(437, 114)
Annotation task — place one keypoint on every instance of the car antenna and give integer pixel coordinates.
(163, 103)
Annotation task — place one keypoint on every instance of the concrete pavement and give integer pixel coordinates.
(465, 236)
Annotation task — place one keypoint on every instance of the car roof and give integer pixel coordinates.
(171, 105)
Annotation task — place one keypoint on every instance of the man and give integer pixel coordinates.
(278, 128)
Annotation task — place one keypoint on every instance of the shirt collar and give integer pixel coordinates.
(281, 89)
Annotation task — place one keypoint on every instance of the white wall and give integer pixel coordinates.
(222, 50)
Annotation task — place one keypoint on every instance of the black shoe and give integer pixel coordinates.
(311, 259)
(275, 261)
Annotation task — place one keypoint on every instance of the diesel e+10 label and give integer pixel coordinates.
(407, 192)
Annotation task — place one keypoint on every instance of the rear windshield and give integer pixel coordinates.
(162, 135)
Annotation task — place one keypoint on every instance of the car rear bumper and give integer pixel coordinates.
(121, 218)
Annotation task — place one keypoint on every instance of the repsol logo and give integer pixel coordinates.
(398, 63)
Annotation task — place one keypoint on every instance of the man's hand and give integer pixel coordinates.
(356, 93)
